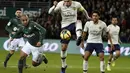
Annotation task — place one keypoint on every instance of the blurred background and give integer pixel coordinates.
(37, 11)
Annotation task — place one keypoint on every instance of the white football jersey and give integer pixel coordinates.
(95, 31)
(114, 33)
(68, 14)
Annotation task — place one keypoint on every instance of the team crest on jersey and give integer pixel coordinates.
(29, 28)
(100, 27)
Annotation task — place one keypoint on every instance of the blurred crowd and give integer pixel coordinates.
(107, 8)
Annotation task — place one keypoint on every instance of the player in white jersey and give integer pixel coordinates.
(95, 28)
(114, 30)
(68, 10)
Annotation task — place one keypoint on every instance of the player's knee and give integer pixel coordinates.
(64, 47)
(12, 52)
(86, 57)
(118, 53)
(101, 56)
(34, 64)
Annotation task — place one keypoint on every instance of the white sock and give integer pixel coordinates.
(63, 58)
(102, 66)
(79, 33)
(78, 28)
(109, 63)
(85, 66)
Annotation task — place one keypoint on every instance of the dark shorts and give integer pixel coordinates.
(117, 47)
(72, 29)
(98, 47)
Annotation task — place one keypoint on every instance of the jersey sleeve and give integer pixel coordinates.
(42, 32)
(9, 26)
(105, 28)
(80, 7)
(108, 28)
(86, 27)
(55, 9)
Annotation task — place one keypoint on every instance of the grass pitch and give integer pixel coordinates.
(74, 64)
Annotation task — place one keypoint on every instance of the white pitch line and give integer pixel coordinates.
(57, 66)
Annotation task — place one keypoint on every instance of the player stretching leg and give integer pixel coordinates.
(94, 41)
(114, 30)
(68, 10)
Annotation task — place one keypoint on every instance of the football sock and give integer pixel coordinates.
(78, 28)
(79, 33)
(63, 58)
(102, 66)
(8, 57)
(85, 66)
(20, 66)
(109, 62)
(24, 61)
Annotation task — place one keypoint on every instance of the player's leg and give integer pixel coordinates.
(78, 32)
(25, 51)
(100, 51)
(64, 46)
(110, 58)
(63, 57)
(109, 61)
(8, 57)
(21, 43)
(38, 56)
(12, 47)
(117, 50)
(88, 51)
(23, 55)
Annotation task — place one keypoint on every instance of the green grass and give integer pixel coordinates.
(74, 64)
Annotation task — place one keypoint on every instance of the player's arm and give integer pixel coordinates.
(119, 37)
(9, 26)
(19, 31)
(106, 29)
(42, 32)
(55, 8)
(84, 34)
(82, 9)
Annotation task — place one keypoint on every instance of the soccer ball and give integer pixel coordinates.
(65, 34)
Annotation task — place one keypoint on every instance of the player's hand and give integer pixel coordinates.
(55, 3)
(120, 42)
(89, 18)
(38, 44)
(11, 39)
(13, 32)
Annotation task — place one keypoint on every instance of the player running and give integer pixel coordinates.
(34, 34)
(94, 41)
(12, 27)
(114, 30)
(68, 10)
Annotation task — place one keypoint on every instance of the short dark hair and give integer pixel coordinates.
(18, 9)
(96, 11)
(114, 17)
